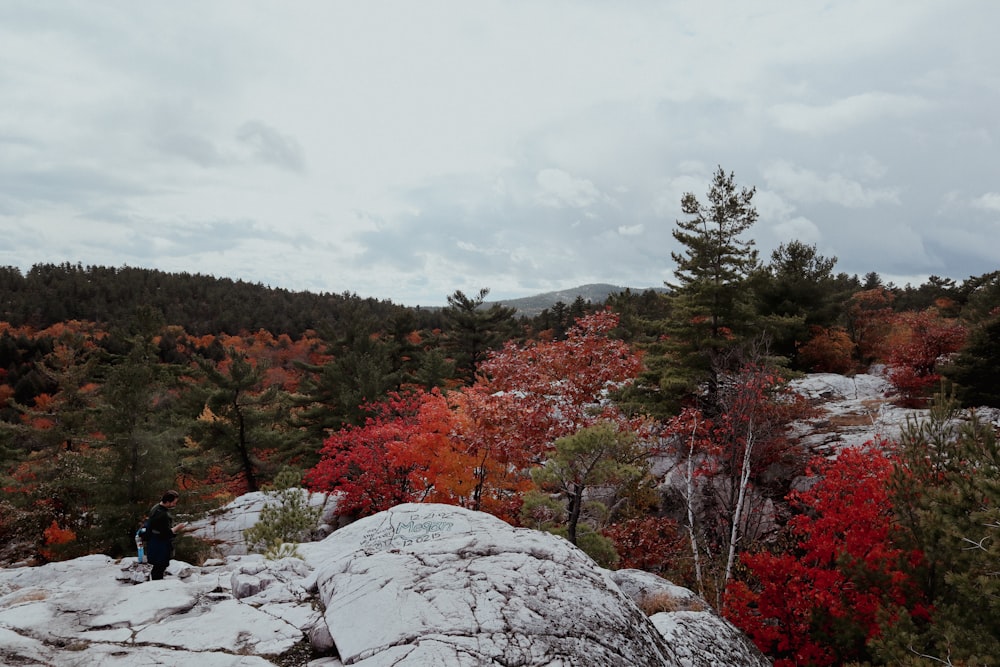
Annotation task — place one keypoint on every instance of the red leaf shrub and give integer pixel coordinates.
(823, 602)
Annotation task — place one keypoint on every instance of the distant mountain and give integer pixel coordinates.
(531, 306)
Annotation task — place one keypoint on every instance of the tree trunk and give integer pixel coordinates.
(575, 505)
(244, 448)
(734, 533)
(689, 493)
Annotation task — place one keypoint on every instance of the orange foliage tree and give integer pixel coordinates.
(55, 537)
(828, 350)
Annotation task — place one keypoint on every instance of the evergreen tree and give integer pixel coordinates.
(976, 367)
(144, 431)
(794, 293)
(946, 495)
(365, 367)
(712, 270)
(363, 373)
(245, 421)
(598, 455)
(980, 297)
(936, 292)
(474, 329)
(711, 302)
(434, 371)
(287, 518)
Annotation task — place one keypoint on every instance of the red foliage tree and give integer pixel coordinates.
(557, 387)
(650, 543)
(918, 341)
(822, 603)
(734, 465)
(368, 464)
(424, 447)
(474, 447)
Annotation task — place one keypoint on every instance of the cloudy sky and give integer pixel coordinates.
(403, 150)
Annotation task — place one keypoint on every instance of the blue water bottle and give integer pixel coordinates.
(139, 546)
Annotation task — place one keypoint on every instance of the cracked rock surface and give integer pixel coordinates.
(428, 585)
(438, 585)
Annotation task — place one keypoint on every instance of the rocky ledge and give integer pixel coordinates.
(416, 585)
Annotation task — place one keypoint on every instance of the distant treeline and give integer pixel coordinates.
(201, 304)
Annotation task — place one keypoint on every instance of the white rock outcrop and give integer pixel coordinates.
(223, 528)
(417, 585)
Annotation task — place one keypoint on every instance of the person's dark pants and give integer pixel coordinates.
(159, 557)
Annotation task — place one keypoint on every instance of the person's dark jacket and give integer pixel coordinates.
(160, 536)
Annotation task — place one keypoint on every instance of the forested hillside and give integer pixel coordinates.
(118, 383)
(201, 304)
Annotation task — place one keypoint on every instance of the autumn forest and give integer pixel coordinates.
(652, 430)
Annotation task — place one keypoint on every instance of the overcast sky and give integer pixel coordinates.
(403, 150)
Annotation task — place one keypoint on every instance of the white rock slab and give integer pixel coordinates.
(418, 585)
(854, 410)
(641, 587)
(704, 639)
(150, 656)
(18, 649)
(235, 628)
(440, 585)
(78, 613)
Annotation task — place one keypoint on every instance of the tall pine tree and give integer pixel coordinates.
(710, 304)
(713, 268)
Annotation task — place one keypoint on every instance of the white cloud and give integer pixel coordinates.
(989, 201)
(864, 166)
(559, 190)
(806, 186)
(771, 206)
(798, 229)
(846, 113)
(694, 178)
(631, 230)
(271, 146)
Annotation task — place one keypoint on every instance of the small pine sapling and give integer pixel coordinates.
(286, 519)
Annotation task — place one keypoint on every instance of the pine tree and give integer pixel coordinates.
(796, 292)
(976, 367)
(597, 455)
(245, 419)
(946, 495)
(713, 269)
(144, 432)
(474, 330)
(711, 301)
(287, 518)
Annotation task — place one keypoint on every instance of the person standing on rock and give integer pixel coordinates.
(161, 532)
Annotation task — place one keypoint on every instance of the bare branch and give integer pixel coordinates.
(946, 661)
